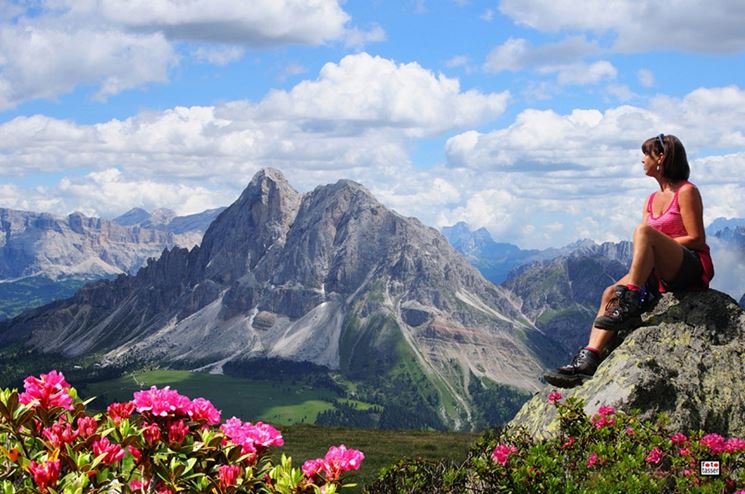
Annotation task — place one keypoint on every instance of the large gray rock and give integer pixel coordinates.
(687, 359)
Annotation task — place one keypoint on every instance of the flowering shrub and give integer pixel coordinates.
(160, 442)
(608, 451)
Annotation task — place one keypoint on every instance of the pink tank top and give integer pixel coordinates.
(670, 222)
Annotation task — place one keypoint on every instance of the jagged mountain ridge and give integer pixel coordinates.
(40, 244)
(331, 277)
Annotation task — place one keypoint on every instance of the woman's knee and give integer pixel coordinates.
(642, 231)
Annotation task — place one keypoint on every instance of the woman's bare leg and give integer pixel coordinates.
(600, 337)
(654, 250)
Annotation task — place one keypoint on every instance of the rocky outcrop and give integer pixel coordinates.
(687, 360)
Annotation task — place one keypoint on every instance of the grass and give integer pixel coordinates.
(381, 448)
(291, 408)
(276, 403)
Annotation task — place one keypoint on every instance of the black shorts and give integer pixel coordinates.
(689, 275)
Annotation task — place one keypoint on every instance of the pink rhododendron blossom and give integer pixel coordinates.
(606, 410)
(714, 442)
(311, 468)
(114, 452)
(602, 420)
(87, 426)
(568, 443)
(162, 402)
(151, 432)
(684, 451)
(136, 454)
(250, 437)
(139, 485)
(119, 411)
(554, 397)
(502, 453)
(202, 410)
(265, 435)
(341, 459)
(735, 445)
(59, 433)
(45, 474)
(654, 456)
(177, 432)
(591, 460)
(630, 431)
(678, 438)
(228, 475)
(47, 391)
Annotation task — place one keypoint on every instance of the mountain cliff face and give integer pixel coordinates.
(561, 296)
(329, 277)
(687, 360)
(34, 244)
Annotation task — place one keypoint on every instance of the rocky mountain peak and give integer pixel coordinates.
(258, 221)
(687, 360)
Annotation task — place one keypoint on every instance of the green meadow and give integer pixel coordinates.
(279, 403)
(292, 409)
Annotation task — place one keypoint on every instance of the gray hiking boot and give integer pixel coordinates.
(581, 368)
(622, 311)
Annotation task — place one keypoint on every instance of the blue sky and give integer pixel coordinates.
(521, 116)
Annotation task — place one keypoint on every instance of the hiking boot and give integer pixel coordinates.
(622, 311)
(581, 368)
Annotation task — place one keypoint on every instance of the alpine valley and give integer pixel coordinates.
(330, 281)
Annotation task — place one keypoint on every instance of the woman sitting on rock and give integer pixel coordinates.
(670, 254)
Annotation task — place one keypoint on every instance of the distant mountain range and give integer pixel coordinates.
(330, 277)
(43, 257)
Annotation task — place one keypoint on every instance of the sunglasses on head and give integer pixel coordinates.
(660, 139)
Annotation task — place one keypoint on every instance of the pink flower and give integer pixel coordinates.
(684, 451)
(136, 454)
(119, 411)
(311, 468)
(202, 410)
(228, 475)
(59, 433)
(687, 473)
(265, 435)
(114, 452)
(251, 438)
(591, 460)
(654, 456)
(568, 443)
(606, 410)
(678, 438)
(45, 474)
(139, 485)
(502, 453)
(151, 432)
(554, 396)
(342, 459)
(49, 391)
(630, 431)
(602, 420)
(161, 402)
(714, 442)
(735, 445)
(177, 432)
(87, 426)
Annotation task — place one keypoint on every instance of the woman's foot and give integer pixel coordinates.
(581, 368)
(622, 311)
